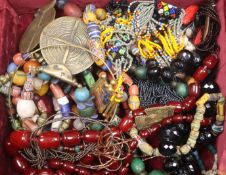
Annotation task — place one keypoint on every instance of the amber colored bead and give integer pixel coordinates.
(71, 9)
(29, 65)
(166, 121)
(177, 105)
(20, 138)
(91, 136)
(188, 103)
(49, 139)
(194, 89)
(138, 112)
(126, 124)
(55, 163)
(201, 73)
(71, 138)
(87, 159)
(20, 163)
(68, 167)
(177, 119)
(45, 172)
(10, 148)
(30, 171)
(210, 61)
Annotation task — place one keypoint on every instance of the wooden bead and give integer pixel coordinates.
(19, 78)
(133, 90)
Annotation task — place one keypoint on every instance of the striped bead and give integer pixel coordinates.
(93, 30)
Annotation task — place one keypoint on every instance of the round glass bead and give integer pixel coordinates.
(11, 67)
(182, 89)
(167, 148)
(141, 73)
(44, 76)
(81, 94)
(137, 165)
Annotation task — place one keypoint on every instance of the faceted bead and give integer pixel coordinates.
(137, 165)
(151, 63)
(153, 73)
(20, 138)
(170, 133)
(171, 164)
(185, 56)
(68, 167)
(167, 75)
(182, 89)
(71, 138)
(133, 90)
(141, 73)
(49, 139)
(210, 61)
(126, 124)
(188, 103)
(167, 148)
(156, 172)
(71, 9)
(30, 65)
(19, 78)
(10, 148)
(201, 73)
(177, 105)
(20, 163)
(55, 163)
(91, 136)
(81, 94)
(210, 87)
(194, 89)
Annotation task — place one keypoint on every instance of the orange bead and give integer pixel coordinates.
(31, 64)
(133, 90)
(18, 59)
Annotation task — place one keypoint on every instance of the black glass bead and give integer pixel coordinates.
(170, 133)
(171, 164)
(205, 136)
(209, 87)
(188, 158)
(191, 169)
(167, 148)
(167, 75)
(185, 56)
(177, 66)
(181, 171)
(153, 73)
(196, 60)
(211, 110)
(132, 69)
(151, 63)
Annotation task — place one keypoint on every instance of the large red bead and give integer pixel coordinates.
(210, 61)
(201, 73)
(133, 145)
(126, 124)
(30, 171)
(123, 170)
(55, 163)
(177, 105)
(68, 167)
(155, 128)
(20, 138)
(190, 13)
(166, 121)
(188, 103)
(177, 119)
(20, 164)
(144, 133)
(91, 136)
(45, 172)
(194, 89)
(10, 148)
(61, 172)
(49, 139)
(31, 65)
(71, 138)
(84, 171)
(138, 112)
(116, 132)
(87, 159)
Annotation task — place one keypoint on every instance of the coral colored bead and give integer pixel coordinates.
(20, 138)
(71, 138)
(126, 124)
(49, 139)
(133, 90)
(54, 163)
(18, 59)
(194, 89)
(177, 105)
(201, 73)
(210, 61)
(139, 111)
(31, 64)
(87, 159)
(91, 136)
(45, 172)
(20, 163)
(188, 103)
(68, 167)
(71, 9)
(177, 119)
(30, 171)
(10, 148)
(166, 121)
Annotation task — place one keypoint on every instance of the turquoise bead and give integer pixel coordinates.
(44, 76)
(156, 172)
(182, 89)
(137, 165)
(141, 73)
(87, 112)
(77, 149)
(11, 67)
(96, 126)
(81, 94)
